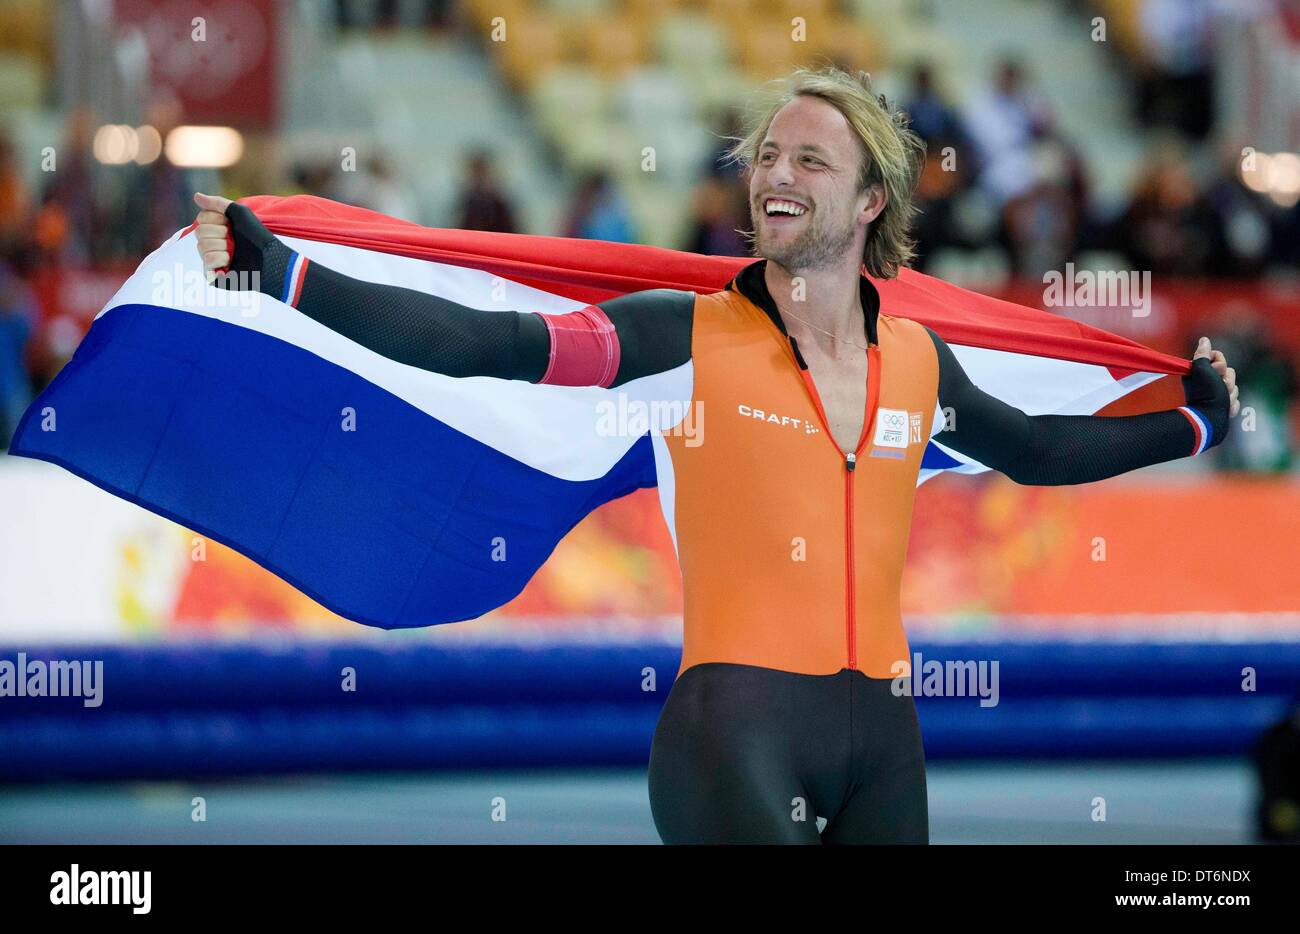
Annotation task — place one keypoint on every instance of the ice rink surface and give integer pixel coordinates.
(1155, 802)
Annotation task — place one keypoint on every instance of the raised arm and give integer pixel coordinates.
(606, 344)
(1052, 450)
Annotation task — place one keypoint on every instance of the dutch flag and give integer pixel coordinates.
(398, 497)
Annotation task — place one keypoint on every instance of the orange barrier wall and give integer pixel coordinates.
(1176, 545)
(1169, 544)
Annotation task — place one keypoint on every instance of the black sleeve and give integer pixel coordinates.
(1051, 450)
(427, 331)
(436, 334)
(654, 331)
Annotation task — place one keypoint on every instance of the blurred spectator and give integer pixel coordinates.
(599, 212)
(17, 316)
(1276, 758)
(719, 211)
(72, 191)
(932, 118)
(352, 13)
(1286, 233)
(171, 192)
(389, 14)
(720, 200)
(316, 178)
(721, 164)
(49, 229)
(1166, 228)
(15, 199)
(1042, 227)
(482, 205)
(158, 199)
(1003, 122)
(1241, 219)
(377, 187)
(951, 162)
(1261, 438)
(1177, 80)
(937, 189)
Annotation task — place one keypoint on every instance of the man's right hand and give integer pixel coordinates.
(213, 234)
(239, 253)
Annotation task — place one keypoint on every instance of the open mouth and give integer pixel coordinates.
(783, 207)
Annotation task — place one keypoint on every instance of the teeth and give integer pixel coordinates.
(776, 206)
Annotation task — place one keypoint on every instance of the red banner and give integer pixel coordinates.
(220, 57)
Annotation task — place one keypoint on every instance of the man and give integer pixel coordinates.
(482, 205)
(791, 518)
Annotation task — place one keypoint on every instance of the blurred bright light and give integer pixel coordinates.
(1256, 178)
(114, 144)
(1276, 175)
(206, 147)
(1284, 173)
(148, 144)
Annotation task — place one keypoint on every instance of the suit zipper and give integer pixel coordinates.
(850, 463)
(850, 584)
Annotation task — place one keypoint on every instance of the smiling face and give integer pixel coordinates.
(805, 199)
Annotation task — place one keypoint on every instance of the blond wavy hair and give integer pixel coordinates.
(894, 154)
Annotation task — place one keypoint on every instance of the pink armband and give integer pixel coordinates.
(584, 348)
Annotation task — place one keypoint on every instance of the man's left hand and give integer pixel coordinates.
(1220, 364)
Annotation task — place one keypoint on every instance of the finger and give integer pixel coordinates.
(216, 259)
(1203, 348)
(208, 228)
(211, 202)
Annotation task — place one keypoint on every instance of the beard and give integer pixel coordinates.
(816, 247)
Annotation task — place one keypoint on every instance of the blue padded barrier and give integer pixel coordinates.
(255, 676)
(210, 709)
